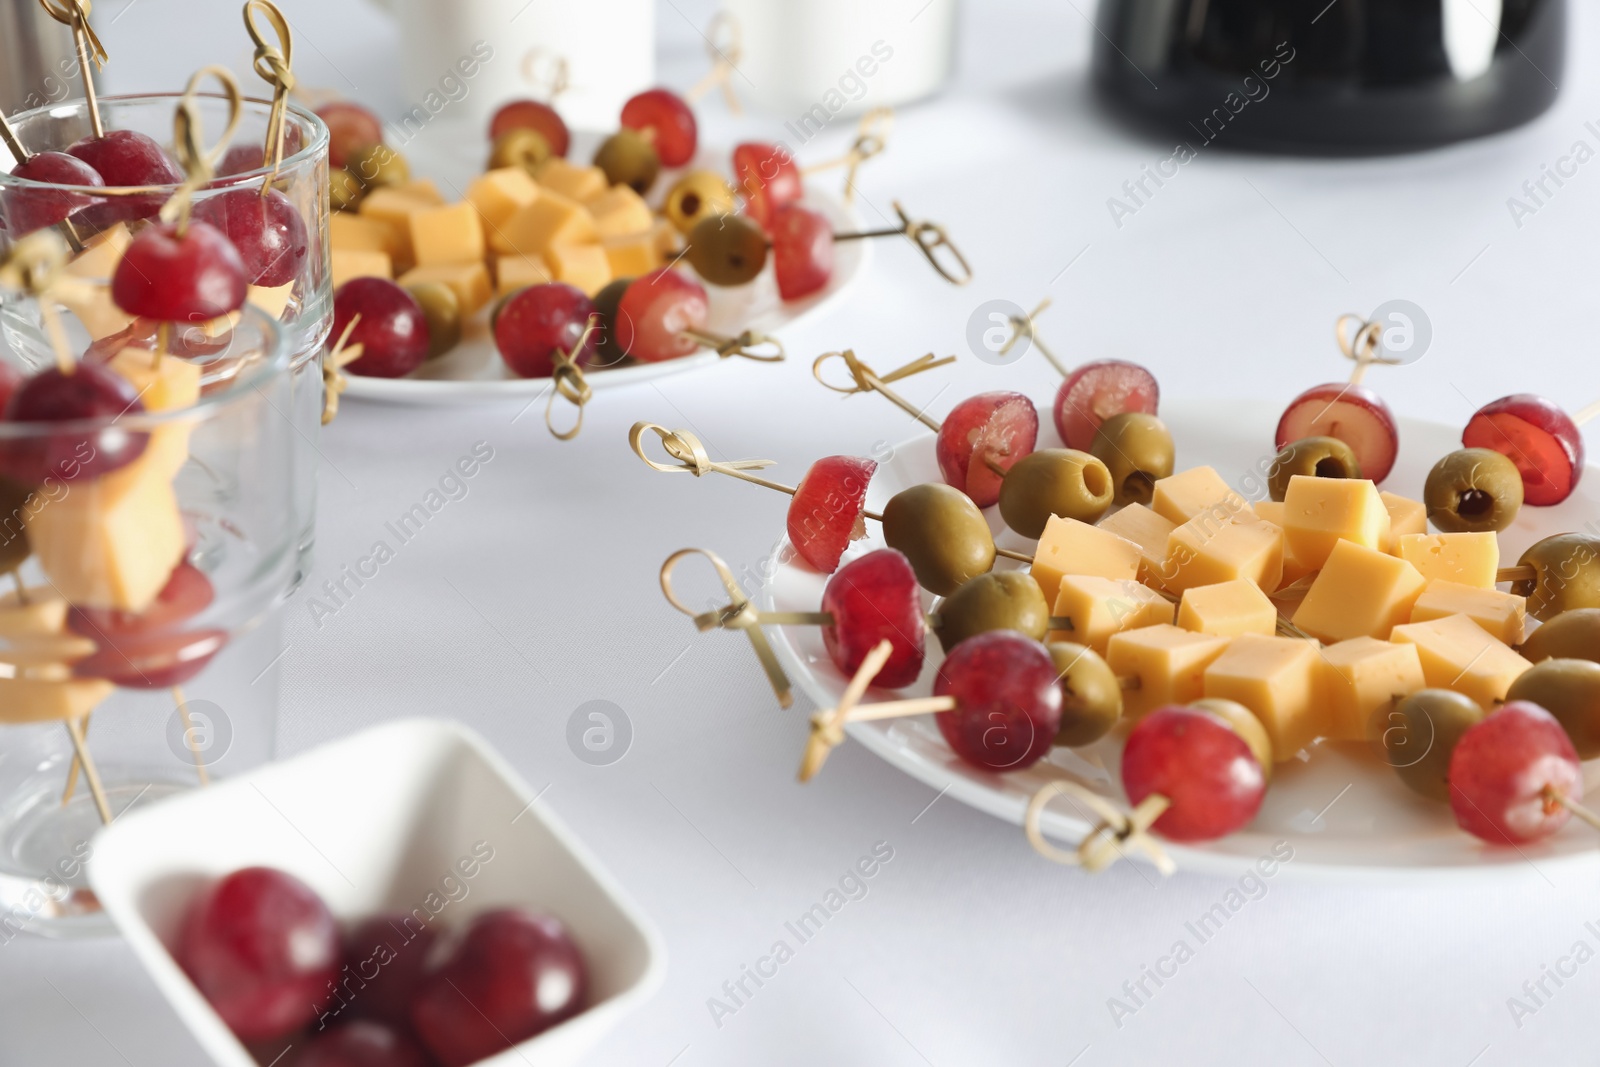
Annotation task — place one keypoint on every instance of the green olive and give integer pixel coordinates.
(943, 534)
(700, 194)
(1243, 722)
(1573, 634)
(1054, 481)
(377, 165)
(344, 192)
(520, 147)
(1569, 689)
(1091, 696)
(607, 353)
(442, 308)
(1314, 457)
(1473, 490)
(1567, 569)
(1419, 735)
(728, 249)
(628, 159)
(1010, 600)
(14, 548)
(1137, 449)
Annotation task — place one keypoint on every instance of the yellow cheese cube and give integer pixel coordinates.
(422, 189)
(1227, 609)
(499, 193)
(1362, 592)
(570, 180)
(1149, 531)
(1406, 516)
(1275, 677)
(1182, 496)
(347, 265)
(1320, 511)
(518, 272)
(1099, 607)
(1205, 551)
(632, 256)
(1459, 654)
(1169, 662)
(550, 220)
(1269, 511)
(271, 299)
(44, 614)
(1361, 680)
(447, 235)
(172, 385)
(469, 281)
(1503, 615)
(583, 266)
(113, 541)
(349, 232)
(95, 309)
(101, 254)
(49, 657)
(1469, 558)
(394, 208)
(33, 700)
(619, 211)
(1068, 546)
(669, 242)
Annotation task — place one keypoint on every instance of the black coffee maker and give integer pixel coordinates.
(1336, 77)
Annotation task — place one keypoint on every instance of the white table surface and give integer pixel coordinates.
(538, 593)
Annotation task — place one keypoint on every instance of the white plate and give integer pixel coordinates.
(1345, 812)
(474, 371)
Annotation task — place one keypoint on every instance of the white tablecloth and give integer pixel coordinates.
(537, 593)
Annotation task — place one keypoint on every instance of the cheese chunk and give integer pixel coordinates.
(570, 180)
(469, 281)
(422, 189)
(1467, 558)
(498, 194)
(1361, 680)
(1503, 615)
(113, 541)
(1182, 496)
(1149, 531)
(1362, 592)
(1205, 551)
(621, 212)
(1406, 516)
(173, 385)
(1228, 609)
(582, 266)
(1068, 546)
(349, 232)
(1293, 570)
(44, 614)
(394, 208)
(518, 272)
(1275, 677)
(347, 265)
(448, 235)
(94, 308)
(33, 700)
(1169, 662)
(1269, 511)
(551, 219)
(1099, 607)
(631, 256)
(1459, 654)
(1318, 512)
(101, 254)
(271, 299)
(48, 657)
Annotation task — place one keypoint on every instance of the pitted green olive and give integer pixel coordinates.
(942, 532)
(1091, 696)
(1054, 481)
(1419, 735)
(1313, 457)
(1137, 450)
(1010, 600)
(1569, 689)
(1567, 575)
(1473, 490)
(1572, 634)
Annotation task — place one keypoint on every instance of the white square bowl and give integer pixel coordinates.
(378, 822)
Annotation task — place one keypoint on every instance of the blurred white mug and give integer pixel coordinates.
(511, 48)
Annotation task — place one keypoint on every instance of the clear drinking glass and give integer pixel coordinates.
(171, 687)
(104, 226)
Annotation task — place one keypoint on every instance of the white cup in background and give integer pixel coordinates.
(843, 56)
(608, 46)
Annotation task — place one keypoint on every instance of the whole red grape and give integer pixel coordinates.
(537, 321)
(389, 953)
(1008, 705)
(655, 311)
(362, 1043)
(393, 331)
(27, 210)
(351, 128)
(89, 392)
(267, 231)
(174, 276)
(1199, 764)
(532, 115)
(873, 598)
(1507, 771)
(670, 121)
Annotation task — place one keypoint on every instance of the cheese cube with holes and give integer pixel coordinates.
(632, 255)
(1148, 531)
(447, 235)
(619, 211)
(1459, 654)
(349, 232)
(43, 614)
(1168, 661)
(113, 541)
(571, 180)
(35, 700)
(518, 272)
(1276, 678)
(173, 385)
(1361, 592)
(581, 266)
(1068, 546)
(1406, 516)
(1317, 512)
(346, 265)
(1205, 551)
(1228, 609)
(1503, 615)
(551, 219)
(1269, 511)
(1182, 496)
(1470, 558)
(469, 281)
(1361, 681)
(1099, 607)
(499, 193)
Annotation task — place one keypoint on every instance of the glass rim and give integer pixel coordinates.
(275, 340)
(308, 151)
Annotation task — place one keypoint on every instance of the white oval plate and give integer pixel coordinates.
(474, 371)
(1344, 811)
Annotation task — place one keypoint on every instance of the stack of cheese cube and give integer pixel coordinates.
(510, 231)
(1180, 595)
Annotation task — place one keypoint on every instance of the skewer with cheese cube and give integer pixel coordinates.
(1459, 654)
(1148, 531)
(1276, 678)
(1068, 546)
(1361, 592)
(1206, 550)
(1099, 607)
(165, 386)
(24, 700)
(571, 180)
(551, 219)
(499, 193)
(1503, 616)
(1168, 661)
(1361, 680)
(1406, 516)
(1320, 512)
